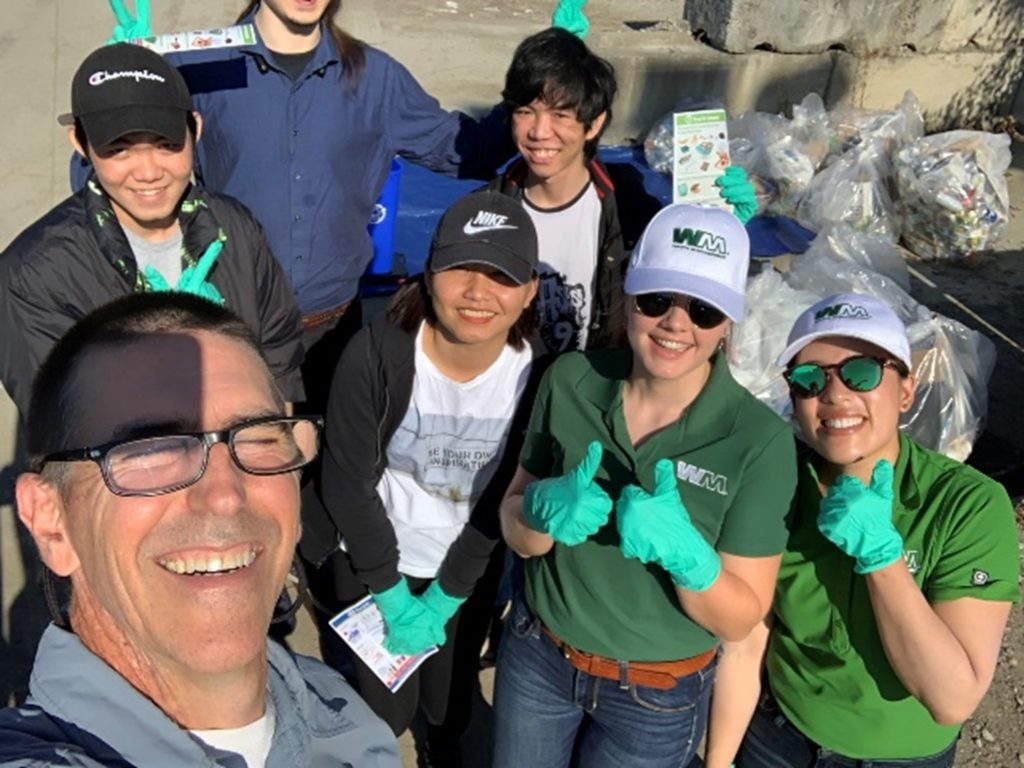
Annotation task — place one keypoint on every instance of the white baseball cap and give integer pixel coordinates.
(698, 251)
(853, 316)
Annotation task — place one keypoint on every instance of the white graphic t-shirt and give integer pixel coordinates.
(445, 452)
(568, 239)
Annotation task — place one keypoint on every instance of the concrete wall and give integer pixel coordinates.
(857, 26)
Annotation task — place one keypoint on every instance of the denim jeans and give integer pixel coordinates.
(772, 741)
(548, 714)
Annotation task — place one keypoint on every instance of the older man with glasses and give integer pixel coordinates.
(176, 548)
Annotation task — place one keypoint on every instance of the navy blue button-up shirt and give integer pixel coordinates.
(310, 156)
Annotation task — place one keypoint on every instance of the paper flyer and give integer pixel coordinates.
(700, 154)
(362, 627)
(199, 39)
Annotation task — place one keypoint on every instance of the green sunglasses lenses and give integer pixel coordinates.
(860, 374)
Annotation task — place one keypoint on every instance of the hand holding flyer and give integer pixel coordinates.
(362, 627)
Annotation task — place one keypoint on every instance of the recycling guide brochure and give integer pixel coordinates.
(700, 154)
(362, 627)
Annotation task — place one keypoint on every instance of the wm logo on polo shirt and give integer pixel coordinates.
(702, 478)
(700, 240)
(842, 310)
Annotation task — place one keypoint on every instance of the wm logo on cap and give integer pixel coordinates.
(700, 240)
(842, 310)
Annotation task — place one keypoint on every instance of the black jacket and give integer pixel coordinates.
(611, 256)
(370, 394)
(77, 258)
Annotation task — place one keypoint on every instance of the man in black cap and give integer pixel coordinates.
(140, 224)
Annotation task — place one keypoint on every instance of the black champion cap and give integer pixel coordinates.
(486, 228)
(124, 88)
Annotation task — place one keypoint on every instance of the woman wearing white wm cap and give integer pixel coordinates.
(649, 505)
(897, 580)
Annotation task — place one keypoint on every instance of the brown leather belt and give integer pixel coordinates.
(309, 322)
(653, 674)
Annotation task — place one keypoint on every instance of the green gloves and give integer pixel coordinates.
(858, 519)
(656, 528)
(572, 507)
(569, 16)
(129, 27)
(411, 626)
(193, 279)
(738, 192)
(442, 605)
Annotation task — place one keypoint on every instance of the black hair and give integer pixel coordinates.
(412, 305)
(556, 67)
(83, 140)
(352, 49)
(53, 408)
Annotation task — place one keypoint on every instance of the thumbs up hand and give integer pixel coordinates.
(656, 528)
(569, 508)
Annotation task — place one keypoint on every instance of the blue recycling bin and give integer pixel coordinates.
(383, 220)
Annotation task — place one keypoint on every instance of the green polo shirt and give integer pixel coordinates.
(736, 468)
(826, 663)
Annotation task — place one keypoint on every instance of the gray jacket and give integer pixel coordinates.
(82, 713)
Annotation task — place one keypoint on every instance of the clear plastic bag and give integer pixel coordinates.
(953, 192)
(952, 365)
(852, 127)
(658, 145)
(854, 189)
(840, 246)
(754, 346)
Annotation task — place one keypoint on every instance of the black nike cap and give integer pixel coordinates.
(486, 228)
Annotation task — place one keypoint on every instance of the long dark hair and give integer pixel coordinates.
(412, 305)
(352, 49)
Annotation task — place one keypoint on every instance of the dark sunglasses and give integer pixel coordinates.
(858, 374)
(702, 314)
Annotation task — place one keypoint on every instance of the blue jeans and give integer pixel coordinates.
(548, 714)
(772, 741)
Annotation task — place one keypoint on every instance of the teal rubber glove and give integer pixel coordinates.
(441, 605)
(572, 507)
(656, 528)
(738, 192)
(569, 16)
(410, 627)
(858, 519)
(193, 279)
(130, 27)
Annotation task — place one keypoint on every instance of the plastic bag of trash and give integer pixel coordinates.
(854, 189)
(952, 365)
(843, 244)
(756, 343)
(781, 156)
(658, 145)
(953, 192)
(853, 126)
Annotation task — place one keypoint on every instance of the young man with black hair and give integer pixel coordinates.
(138, 225)
(559, 95)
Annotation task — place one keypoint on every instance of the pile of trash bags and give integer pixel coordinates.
(866, 181)
(943, 195)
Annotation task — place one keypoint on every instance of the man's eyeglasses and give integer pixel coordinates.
(859, 374)
(152, 466)
(702, 314)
